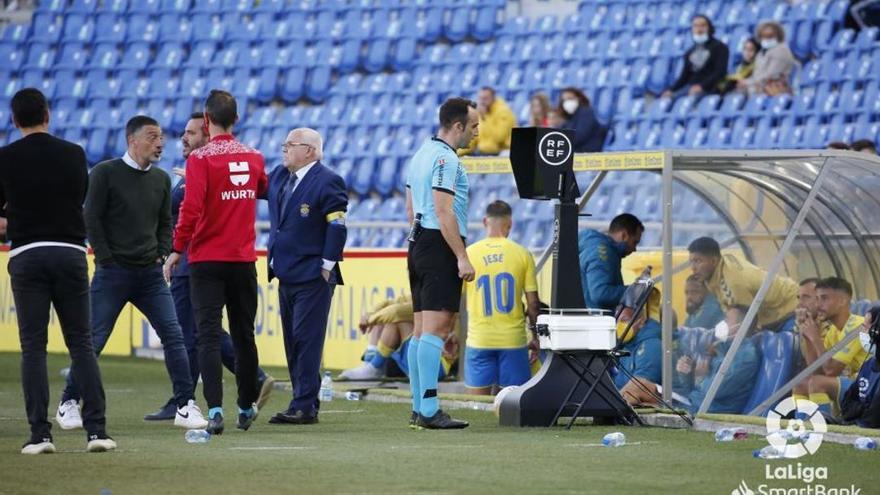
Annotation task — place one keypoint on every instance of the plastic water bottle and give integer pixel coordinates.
(197, 436)
(865, 443)
(768, 452)
(730, 434)
(352, 395)
(616, 439)
(326, 392)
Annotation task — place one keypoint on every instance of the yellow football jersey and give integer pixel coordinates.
(853, 355)
(496, 314)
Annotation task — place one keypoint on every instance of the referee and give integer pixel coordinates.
(437, 201)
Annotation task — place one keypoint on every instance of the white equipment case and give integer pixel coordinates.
(574, 330)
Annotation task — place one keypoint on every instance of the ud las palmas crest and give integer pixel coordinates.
(304, 210)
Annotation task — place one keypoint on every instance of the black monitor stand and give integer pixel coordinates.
(542, 162)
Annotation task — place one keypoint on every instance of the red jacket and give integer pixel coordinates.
(223, 181)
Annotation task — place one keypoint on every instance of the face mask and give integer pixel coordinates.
(865, 339)
(769, 44)
(701, 38)
(722, 331)
(570, 106)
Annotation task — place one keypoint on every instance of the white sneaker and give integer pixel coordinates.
(68, 416)
(100, 443)
(43, 447)
(190, 417)
(364, 372)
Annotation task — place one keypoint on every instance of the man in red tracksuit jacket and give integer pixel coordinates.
(216, 224)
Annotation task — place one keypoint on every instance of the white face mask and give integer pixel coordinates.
(722, 331)
(570, 106)
(769, 44)
(701, 38)
(865, 339)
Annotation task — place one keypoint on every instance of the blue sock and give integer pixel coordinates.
(378, 360)
(214, 411)
(249, 412)
(412, 362)
(430, 351)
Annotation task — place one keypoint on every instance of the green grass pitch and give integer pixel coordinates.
(366, 447)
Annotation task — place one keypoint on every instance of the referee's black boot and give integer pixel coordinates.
(215, 425)
(441, 421)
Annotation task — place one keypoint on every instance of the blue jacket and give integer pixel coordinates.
(312, 227)
(600, 269)
(589, 133)
(182, 268)
(707, 316)
(736, 388)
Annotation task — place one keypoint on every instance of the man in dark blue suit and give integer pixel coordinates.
(193, 138)
(307, 205)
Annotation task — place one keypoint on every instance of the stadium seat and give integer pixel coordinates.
(778, 352)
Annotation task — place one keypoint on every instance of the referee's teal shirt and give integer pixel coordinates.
(436, 166)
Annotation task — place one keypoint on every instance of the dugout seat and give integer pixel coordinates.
(778, 355)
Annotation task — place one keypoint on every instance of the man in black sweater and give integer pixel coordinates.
(43, 183)
(705, 63)
(128, 218)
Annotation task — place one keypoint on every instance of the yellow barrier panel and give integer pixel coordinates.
(638, 160)
(120, 340)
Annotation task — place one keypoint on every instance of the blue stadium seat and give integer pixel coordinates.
(136, 57)
(110, 28)
(113, 6)
(104, 56)
(778, 352)
(293, 86)
(78, 29)
(176, 28)
(204, 6)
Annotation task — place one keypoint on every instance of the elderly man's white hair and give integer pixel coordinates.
(311, 137)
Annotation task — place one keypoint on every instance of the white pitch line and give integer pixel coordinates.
(395, 447)
(628, 444)
(341, 411)
(273, 448)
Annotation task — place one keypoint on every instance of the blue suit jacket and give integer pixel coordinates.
(310, 229)
(182, 268)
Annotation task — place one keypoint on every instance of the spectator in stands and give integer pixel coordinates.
(837, 145)
(496, 122)
(391, 323)
(744, 69)
(860, 404)
(773, 64)
(600, 257)
(498, 351)
(702, 308)
(735, 282)
(539, 110)
(575, 108)
(864, 146)
(642, 342)
(555, 118)
(705, 63)
(806, 314)
(835, 322)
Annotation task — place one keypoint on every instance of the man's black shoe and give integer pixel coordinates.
(166, 413)
(440, 421)
(296, 418)
(215, 425)
(414, 420)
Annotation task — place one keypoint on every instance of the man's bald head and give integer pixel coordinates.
(303, 146)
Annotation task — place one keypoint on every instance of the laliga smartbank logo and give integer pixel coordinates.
(806, 441)
(805, 433)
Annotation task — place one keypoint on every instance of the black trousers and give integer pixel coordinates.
(214, 285)
(56, 276)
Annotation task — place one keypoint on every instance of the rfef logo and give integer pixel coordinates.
(554, 148)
